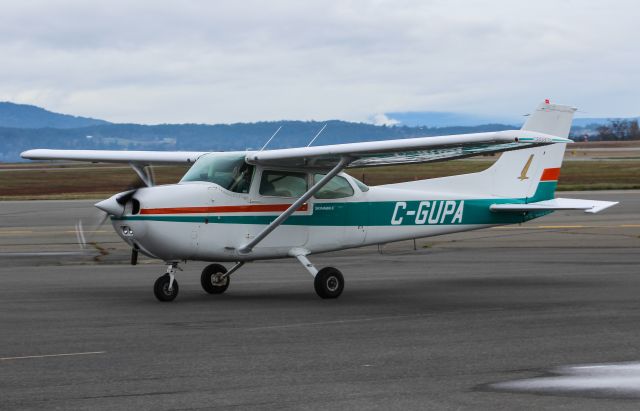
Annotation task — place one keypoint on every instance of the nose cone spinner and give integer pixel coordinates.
(111, 206)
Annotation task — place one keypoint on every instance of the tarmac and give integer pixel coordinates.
(449, 325)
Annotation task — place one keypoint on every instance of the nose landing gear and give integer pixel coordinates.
(166, 286)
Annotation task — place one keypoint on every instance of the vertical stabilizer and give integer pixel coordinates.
(519, 173)
(553, 119)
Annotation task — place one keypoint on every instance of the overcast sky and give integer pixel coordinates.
(231, 61)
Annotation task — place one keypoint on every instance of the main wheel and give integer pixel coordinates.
(329, 283)
(161, 289)
(213, 279)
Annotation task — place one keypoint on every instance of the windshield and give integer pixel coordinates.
(229, 171)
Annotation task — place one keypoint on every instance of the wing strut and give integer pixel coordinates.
(344, 162)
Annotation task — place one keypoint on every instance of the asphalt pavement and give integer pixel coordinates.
(444, 326)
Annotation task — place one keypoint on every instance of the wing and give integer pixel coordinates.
(113, 156)
(366, 154)
(413, 150)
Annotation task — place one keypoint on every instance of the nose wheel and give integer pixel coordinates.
(164, 290)
(166, 287)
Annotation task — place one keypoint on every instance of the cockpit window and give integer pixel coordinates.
(337, 187)
(283, 183)
(230, 172)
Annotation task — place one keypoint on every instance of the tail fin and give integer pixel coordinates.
(552, 119)
(533, 173)
(549, 119)
(529, 174)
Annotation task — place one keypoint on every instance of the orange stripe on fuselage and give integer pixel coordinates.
(258, 208)
(550, 174)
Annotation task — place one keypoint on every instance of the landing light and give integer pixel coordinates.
(126, 230)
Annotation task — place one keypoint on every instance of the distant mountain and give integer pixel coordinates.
(23, 127)
(202, 137)
(25, 116)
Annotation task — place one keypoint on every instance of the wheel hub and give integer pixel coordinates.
(218, 279)
(332, 283)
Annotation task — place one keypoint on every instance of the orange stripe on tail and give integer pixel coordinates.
(550, 174)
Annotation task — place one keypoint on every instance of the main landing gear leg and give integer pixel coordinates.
(166, 286)
(328, 282)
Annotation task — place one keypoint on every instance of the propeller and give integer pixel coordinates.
(80, 233)
(114, 206)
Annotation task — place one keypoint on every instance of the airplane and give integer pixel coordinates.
(246, 206)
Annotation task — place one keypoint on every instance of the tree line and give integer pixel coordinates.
(619, 130)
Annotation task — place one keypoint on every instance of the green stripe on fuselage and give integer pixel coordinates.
(546, 191)
(384, 213)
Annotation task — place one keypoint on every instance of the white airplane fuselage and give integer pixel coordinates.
(202, 221)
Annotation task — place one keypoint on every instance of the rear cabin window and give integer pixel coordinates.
(230, 172)
(283, 183)
(337, 187)
(362, 186)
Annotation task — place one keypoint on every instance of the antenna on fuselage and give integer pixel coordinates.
(269, 141)
(319, 132)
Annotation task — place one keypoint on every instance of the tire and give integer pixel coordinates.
(208, 281)
(161, 289)
(329, 283)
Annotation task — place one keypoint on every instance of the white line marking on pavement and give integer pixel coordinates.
(52, 355)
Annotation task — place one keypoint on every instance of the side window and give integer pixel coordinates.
(337, 187)
(241, 179)
(362, 186)
(283, 183)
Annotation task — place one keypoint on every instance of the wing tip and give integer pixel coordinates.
(30, 154)
(601, 206)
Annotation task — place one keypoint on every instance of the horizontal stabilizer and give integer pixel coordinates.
(588, 206)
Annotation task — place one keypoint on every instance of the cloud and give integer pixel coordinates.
(381, 119)
(224, 61)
